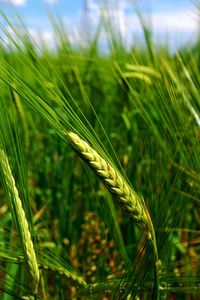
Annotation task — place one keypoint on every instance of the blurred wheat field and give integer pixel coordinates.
(136, 122)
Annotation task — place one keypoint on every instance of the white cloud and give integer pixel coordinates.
(43, 37)
(181, 21)
(172, 28)
(14, 2)
(18, 2)
(164, 24)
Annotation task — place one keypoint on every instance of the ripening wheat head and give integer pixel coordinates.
(16, 204)
(114, 182)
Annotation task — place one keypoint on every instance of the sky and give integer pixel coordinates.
(173, 22)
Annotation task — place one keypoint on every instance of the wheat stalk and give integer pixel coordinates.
(16, 205)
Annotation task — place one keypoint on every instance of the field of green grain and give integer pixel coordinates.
(99, 170)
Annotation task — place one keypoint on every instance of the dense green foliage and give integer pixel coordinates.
(140, 110)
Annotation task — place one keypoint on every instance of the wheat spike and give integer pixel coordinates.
(46, 265)
(127, 197)
(29, 253)
(62, 271)
(115, 183)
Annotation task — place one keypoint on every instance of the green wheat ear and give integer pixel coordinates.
(122, 191)
(115, 183)
(22, 224)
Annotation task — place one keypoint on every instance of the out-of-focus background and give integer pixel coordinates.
(173, 23)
